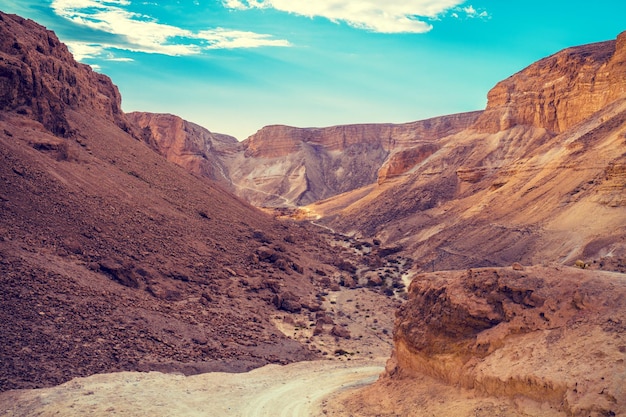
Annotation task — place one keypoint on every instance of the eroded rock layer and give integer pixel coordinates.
(286, 166)
(186, 144)
(555, 336)
(559, 91)
(540, 187)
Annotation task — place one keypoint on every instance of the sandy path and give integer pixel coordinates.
(293, 390)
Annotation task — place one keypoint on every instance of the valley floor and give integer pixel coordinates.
(292, 390)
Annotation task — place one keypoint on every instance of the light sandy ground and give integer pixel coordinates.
(292, 390)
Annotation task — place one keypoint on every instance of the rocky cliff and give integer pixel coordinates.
(551, 335)
(517, 341)
(285, 166)
(40, 79)
(186, 144)
(534, 189)
(559, 91)
(277, 141)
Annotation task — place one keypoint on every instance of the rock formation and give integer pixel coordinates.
(40, 79)
(186, 144)
(285, 166)
(559, 91)
(516, 341)
(551, 335)
(540, 186)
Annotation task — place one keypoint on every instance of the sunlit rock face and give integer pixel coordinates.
(284, 166)
(521, 184)
(554, 336)
(186, 144)
(559, 91)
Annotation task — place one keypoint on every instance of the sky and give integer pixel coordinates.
(234, 66)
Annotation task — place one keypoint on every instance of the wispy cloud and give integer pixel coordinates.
(385, 16)
(469, 12)
(141, 33)
(86, 51)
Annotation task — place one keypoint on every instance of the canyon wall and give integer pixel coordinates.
(186, 144)
(559, 91)
(536, 188)
(288, 166)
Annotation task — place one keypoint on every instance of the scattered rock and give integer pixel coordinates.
(340, 331)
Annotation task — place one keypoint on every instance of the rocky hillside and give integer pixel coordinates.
(112, 258)
(41, 80)
(518, 341)
(537, 178)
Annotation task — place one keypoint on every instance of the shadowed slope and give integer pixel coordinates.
(111, 257)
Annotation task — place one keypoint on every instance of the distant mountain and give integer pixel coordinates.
(283, 166)
(287, 166)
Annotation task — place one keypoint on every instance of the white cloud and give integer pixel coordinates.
(385, 16)
(229, 39)
(87, 51)
(469, 12)
(141, 33)
(84, 50)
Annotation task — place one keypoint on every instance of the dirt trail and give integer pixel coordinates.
(292, 390)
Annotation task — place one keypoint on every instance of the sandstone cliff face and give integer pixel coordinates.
(525, 193)
(555, 336)
(186, 144)
(284, 166)
(39, 78)
(560, 91)
(404, 160)
(276, 141)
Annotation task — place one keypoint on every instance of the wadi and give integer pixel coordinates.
(466, 265)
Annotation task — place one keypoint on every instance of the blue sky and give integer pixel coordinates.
(234, 66)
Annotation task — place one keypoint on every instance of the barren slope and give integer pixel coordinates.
(112, 258)
(525, 190)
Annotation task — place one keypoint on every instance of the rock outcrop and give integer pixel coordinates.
(186, 144)
(553, 336)
(39, 78)
(404, 160)
(559, 91)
